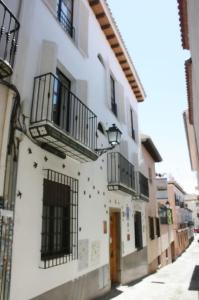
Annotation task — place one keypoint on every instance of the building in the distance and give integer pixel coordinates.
(165, 212)
(151, 156)
(182, 217)
(192, 202)
(189, 26)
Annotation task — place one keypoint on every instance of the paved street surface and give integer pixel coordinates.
(169, 283)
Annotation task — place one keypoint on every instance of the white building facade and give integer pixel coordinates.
(78, 212)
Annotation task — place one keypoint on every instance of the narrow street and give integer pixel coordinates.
(169, 283)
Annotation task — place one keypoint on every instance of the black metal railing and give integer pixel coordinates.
(120, 171)
(166, 215)
(143, 185)
(53, 102)
(9, 30)
(65, 21)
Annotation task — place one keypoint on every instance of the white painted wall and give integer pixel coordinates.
(39, 24)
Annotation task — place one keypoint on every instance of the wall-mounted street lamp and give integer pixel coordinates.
(114, 138)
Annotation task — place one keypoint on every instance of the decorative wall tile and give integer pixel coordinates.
(83, 254)
(95, 253)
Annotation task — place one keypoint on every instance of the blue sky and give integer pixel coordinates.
(151, 33)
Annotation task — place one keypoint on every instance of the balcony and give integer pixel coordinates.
(143, 187)
(9, 31)
(121, 174)
(166, 215)
(60, 122)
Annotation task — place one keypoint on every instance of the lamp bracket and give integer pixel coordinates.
(104, 150)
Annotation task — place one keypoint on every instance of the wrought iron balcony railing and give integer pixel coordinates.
(61, 122)
(9, 30)
(121, 174)
(166, 215)
(143, 187)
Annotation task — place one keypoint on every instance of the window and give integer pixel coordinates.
(157, 227)
(59, 220)
(132, 124)
(177, 200)
(113, 103)
(65, 15)
(61, 101)
(138, 230)
(151, 229)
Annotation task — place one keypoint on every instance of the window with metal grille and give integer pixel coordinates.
(59, 220)
(151, 229)
(157, 226)
(138, 230)
(65, 15)
(113, 102)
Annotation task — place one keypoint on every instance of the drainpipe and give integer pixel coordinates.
(9, 172)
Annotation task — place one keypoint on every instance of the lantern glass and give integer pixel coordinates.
(114, 135)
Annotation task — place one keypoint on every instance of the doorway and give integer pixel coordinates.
(115, 246)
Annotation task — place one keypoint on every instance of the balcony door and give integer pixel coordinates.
(114, 246)
(61, 101)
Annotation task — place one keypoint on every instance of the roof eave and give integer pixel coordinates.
(151, 148)
(109, 27)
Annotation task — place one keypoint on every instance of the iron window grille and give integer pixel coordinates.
(157, 227)
(9, 31)
(59, 237)
(138, 230)
(143, 187)
(65, 16)
(61, 121)
(121, 174)
(151, 229)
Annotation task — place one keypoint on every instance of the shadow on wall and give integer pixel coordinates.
(194, 283)
(113, 293)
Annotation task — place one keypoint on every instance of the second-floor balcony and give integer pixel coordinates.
(143, 187)
(60, 122)
(9, 30)
(165, 215)
(121, 174)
